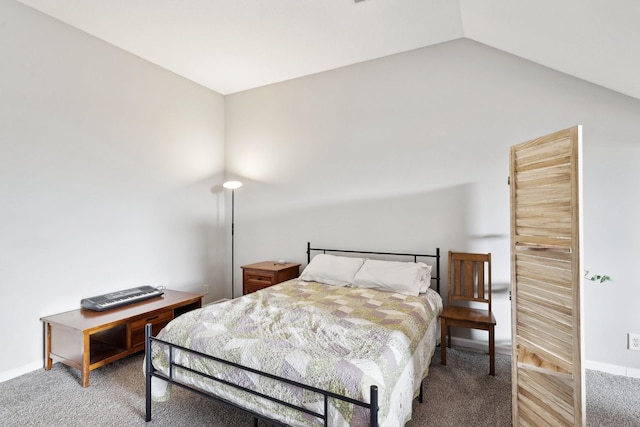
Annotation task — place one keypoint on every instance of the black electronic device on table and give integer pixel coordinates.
(120, 298)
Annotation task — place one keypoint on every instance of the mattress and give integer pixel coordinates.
(334, 338)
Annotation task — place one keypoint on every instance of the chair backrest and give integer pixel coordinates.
(469, 277)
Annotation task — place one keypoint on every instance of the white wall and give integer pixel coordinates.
(410, 152)
(106, 166)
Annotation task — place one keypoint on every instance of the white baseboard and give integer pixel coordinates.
(461, 342)
(612, 369)
(25, 369)
(589, 364)
(480, 345)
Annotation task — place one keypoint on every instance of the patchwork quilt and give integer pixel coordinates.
(339, 339)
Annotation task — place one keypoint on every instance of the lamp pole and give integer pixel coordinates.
(232, 185)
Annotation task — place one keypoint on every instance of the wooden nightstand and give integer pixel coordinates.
(268, 273)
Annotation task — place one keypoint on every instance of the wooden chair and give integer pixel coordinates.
(469, 282)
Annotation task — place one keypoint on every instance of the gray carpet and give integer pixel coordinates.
(116, 398)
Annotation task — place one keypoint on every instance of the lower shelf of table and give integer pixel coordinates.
(101, 354)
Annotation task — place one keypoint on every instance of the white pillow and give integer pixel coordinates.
(407, 278)
(426, 282)
(332, 270)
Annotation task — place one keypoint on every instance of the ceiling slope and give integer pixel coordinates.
(594, 40)
(235, 45)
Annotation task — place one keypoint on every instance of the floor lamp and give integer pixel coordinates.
(232, 185)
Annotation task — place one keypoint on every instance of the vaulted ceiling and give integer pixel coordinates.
(234, 45)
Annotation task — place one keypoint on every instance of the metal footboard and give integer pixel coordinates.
(151, 372)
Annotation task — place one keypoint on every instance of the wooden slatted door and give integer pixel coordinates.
(546, 281)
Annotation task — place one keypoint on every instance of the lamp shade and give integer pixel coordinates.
(232, 185)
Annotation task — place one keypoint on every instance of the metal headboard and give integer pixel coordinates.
(415, 257)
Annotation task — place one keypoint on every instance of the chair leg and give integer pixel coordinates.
(443, 341)
(492, 351)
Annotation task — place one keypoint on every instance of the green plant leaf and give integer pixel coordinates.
(597, 277)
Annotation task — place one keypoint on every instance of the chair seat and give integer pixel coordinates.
(466, 314)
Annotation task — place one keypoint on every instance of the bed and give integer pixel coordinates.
(347, 343)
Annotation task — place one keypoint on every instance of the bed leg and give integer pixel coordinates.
(443, 342)
(255, 422)
(374, 406)
(148, 370)
(421, 396)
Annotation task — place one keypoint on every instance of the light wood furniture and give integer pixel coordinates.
(86, 339)
(547, 325)
(268, 273)
(470, 283)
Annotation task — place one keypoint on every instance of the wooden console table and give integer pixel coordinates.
(86, 340)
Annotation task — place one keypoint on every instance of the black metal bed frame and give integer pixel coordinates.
(414, 256)
(151, 372)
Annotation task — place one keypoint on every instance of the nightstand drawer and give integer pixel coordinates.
(258, 278)
(254, 286)
(264, 274)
